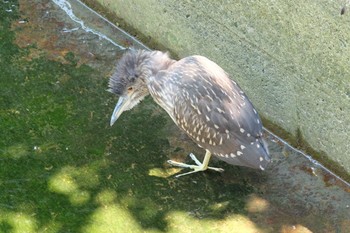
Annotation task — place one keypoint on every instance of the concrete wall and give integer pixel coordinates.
(292, 58)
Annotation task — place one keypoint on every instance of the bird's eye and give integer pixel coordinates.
(130, 88)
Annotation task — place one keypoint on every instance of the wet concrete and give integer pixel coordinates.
(93, 178)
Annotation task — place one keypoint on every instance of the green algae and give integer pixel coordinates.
(59, 155)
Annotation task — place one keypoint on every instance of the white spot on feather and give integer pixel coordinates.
(210, 97)
(220, 110)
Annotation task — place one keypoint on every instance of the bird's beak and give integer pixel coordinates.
(120, 107)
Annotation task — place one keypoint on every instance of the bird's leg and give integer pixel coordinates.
(196, 168)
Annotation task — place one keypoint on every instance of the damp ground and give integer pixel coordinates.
(64, 169)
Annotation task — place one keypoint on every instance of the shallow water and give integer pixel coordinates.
(63, 169)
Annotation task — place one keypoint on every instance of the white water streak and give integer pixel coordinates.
(66, 6)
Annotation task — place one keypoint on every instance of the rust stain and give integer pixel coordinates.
(40, 32)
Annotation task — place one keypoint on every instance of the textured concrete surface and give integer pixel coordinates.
(291, 58)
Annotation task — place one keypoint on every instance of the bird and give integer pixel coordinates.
(201, 99)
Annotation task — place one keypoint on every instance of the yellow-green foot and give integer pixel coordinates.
(196, 168)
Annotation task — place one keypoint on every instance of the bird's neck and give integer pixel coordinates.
(159, 61)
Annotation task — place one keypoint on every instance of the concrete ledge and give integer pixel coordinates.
(291, 58)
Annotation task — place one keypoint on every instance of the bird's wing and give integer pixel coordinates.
(212, 109)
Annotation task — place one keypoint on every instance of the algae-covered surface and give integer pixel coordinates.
(64, 169)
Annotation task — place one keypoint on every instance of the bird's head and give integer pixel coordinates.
(129, 81)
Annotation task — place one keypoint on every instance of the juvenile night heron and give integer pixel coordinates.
(202, 101)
